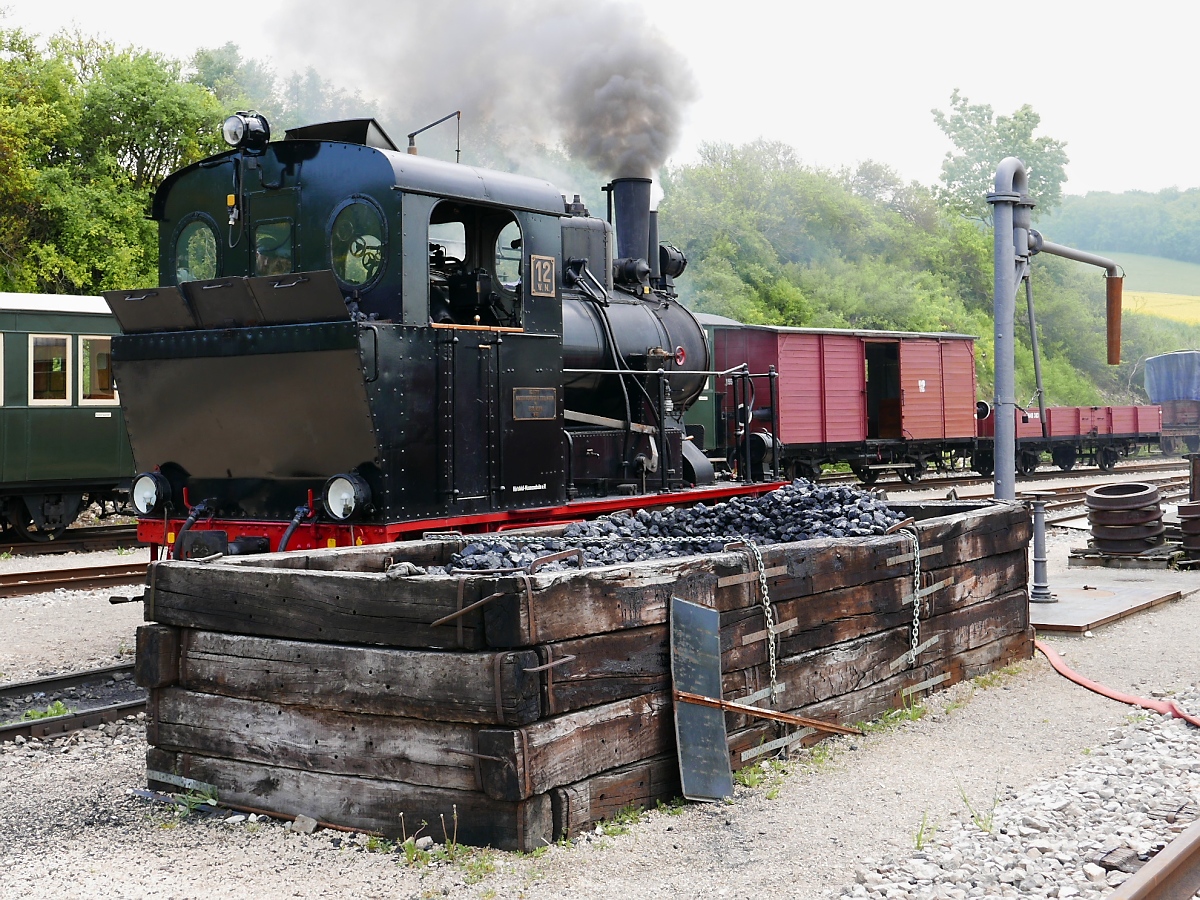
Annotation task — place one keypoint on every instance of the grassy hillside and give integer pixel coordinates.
(1156, 274)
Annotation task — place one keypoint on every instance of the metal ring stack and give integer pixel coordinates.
(1125, 518)
(1189, 524)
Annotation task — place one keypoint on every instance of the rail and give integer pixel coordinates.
(20, 584)
(1173, 873)
(52, 726)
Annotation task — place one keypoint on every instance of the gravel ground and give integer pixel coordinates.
(844, 819)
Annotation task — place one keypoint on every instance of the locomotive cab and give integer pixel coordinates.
(349, 342)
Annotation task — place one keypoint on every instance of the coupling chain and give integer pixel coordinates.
(911, 534)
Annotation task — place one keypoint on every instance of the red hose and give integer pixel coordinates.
(1164, 707)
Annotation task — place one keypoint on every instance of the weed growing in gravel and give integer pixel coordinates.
(477, 865)
(57, 708)
(379, 845)
(674, 808)
(7, 554)
(996, 678)
(820, 755)
(194, 800)
(911, 711)
(925, 831)
(126, 551)
(985, 821)
(625, 817)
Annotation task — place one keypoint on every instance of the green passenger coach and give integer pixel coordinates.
(62, 433)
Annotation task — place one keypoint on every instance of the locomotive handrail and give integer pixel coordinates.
(726, 373)
(507, 329)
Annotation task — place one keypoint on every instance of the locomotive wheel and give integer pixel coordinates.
(1193, 443)
(1106, 458)
(1065, 458)
(911, 476)
(1028, 462)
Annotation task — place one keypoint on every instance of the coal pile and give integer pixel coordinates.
(797, 512)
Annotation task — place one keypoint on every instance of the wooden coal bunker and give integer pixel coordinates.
(314, 683)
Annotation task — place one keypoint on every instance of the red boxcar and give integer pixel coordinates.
(874, 399)
(1102, 434)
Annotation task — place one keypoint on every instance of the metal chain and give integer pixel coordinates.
(911, 534)
(768, 615)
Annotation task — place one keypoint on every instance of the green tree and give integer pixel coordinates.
(981, 140)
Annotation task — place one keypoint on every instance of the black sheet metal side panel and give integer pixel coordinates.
(699, 730)
(248, 412)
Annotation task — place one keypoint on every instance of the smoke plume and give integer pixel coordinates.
(595, 79)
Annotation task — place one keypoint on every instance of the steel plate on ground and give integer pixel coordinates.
(699, 730)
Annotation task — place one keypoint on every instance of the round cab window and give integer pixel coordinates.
(196, 253)
(357, 243)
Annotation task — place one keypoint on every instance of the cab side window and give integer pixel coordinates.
(196, 252)
(273, 248)
(475, 266)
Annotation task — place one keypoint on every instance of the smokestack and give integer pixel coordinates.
(631, 200)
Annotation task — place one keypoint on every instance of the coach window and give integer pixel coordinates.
(196, 252)
(357, 243)
(95, 372)
(49, 370)
(474, 266)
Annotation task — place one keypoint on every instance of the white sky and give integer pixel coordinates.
(842, 82)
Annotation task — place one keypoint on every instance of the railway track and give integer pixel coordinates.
(76, 540)
(1173, 873)
(84, 578)
(892, 483)
(92, 697)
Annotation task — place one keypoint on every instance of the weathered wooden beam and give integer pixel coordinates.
(869, 702)
(341, 607)
(822, 620)
(604, 667)
(520, 763)
(822, 674)
(572, 604)
(365, 804)
(156, 660)
(494, 688)
(579, 806)
(436, 754)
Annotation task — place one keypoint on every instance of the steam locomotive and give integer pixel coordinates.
(350, 344)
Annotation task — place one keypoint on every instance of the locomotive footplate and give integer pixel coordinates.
(317, 534)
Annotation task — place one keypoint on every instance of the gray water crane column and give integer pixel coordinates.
(1010, 217)
(1015, 243)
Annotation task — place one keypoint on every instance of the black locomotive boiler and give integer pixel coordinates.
(350, 344)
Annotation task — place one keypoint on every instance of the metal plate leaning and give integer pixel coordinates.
(699, 730)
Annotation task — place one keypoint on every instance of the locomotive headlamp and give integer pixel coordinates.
(247, 131)
(345, 496)
(150, 493)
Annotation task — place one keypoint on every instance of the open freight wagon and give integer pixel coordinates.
(526, 706)
(874, 399)
(1100, 434)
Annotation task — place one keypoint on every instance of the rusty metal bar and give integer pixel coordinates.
(786, 718)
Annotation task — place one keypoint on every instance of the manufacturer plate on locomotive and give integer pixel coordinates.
(531, 404)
